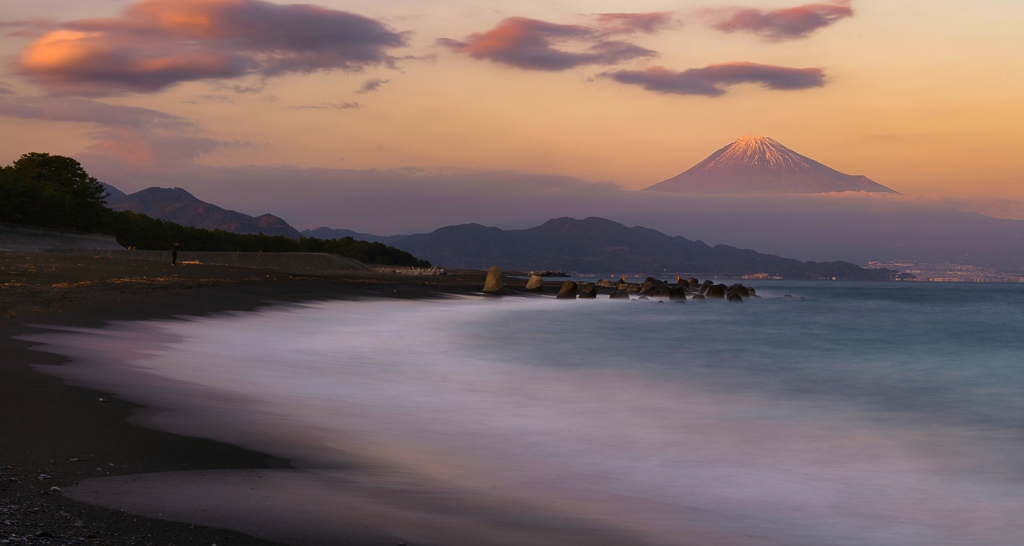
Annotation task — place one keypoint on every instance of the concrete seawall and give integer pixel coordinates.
(298, 263)
(31, 239)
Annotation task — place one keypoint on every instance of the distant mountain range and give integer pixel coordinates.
(757, 164)
(181, 207)
(600, 246)
(592, 245)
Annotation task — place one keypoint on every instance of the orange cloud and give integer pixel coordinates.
(711, 80)
(125, 144)
(57, 49)
(140, 146)
(781, 24)
(157, 43)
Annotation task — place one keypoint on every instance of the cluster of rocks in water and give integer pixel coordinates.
(650, 289)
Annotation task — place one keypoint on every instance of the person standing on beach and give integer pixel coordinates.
(174, 253)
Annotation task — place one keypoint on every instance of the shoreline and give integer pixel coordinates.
(56, 435)
(63, 434)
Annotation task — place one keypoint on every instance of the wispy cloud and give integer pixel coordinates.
(332, 106)
(158, 43)
(632, 23)
(123, 134)
(242, 89)
(780, 24)
(201, 99)
(370, 86)
(88, 111)
(538, 45)
(145, 147)
(712, 80)
(29, 28)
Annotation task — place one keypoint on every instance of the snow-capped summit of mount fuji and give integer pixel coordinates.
(758, 164)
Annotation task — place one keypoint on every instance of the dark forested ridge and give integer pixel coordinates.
(141, 231)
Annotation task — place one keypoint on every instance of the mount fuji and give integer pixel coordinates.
(757, 164)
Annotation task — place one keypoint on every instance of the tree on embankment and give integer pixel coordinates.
(54, 191)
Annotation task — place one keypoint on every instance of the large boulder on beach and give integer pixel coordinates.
(605, 283)
(587, 291)
(734, 296)
(568, 291)
(619, 295)
(495, 283)
(677, 294)
(535, 284)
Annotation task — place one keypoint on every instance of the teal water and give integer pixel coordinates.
(818, 413)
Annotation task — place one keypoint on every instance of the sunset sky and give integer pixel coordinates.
(924, 97)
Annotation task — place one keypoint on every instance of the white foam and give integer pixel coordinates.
(447, 394)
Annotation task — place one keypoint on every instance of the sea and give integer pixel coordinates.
(817, 413)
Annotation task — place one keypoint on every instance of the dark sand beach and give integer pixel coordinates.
(53, 435)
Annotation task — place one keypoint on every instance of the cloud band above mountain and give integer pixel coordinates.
(712, 80)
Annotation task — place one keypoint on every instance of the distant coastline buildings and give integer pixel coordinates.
(947, 272)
